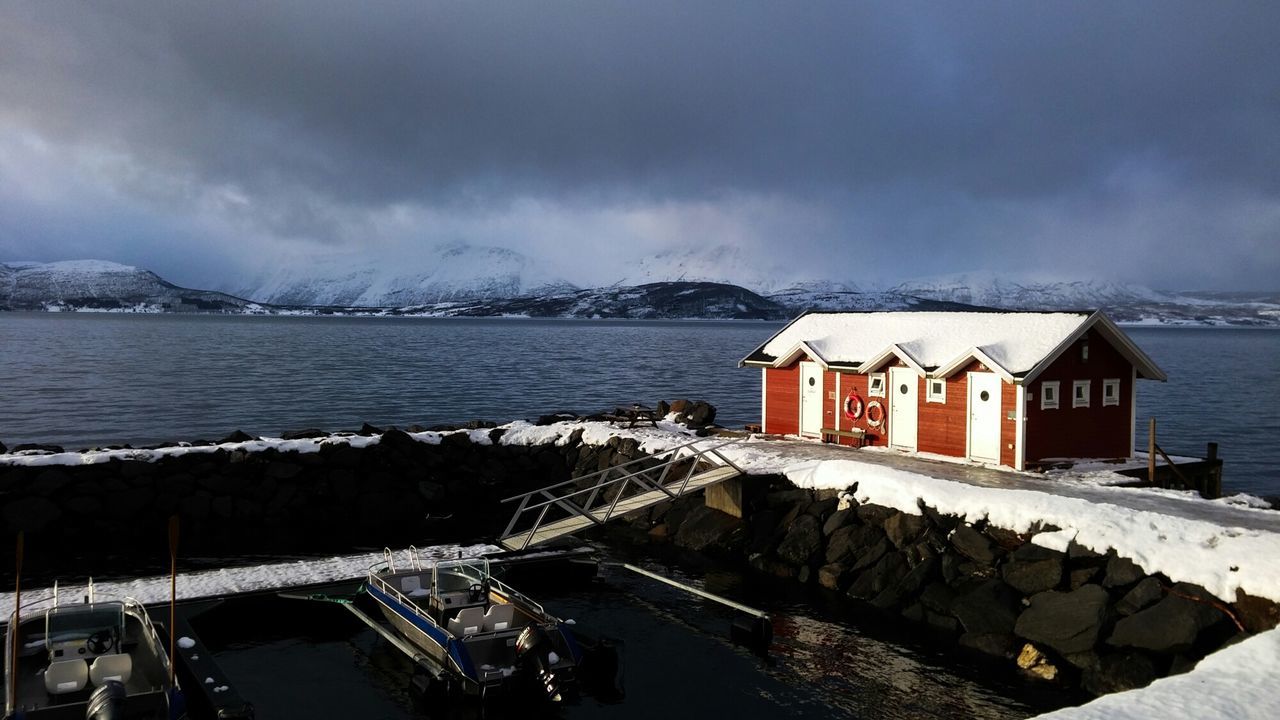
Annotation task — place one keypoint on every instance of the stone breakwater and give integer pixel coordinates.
(1076, 617)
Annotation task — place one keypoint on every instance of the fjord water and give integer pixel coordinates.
(82, 380)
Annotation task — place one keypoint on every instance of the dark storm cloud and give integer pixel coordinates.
(897, 121)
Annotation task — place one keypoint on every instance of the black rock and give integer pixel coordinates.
(1033, 569)
(874, 514)
(662, 408)
(802, 542)
(886, 573)
(1067, 622)
(553, 418)
(303, 434)
(1000, 645)
(1169, 626)
(908, 586)
(988, 607)
(1076, 551)
(872, 554)
(1257, 614)
(704, 527)
(237, 436)
(837, 520)
(1143, 595)
(700, 414)
(1121, 572)
(1117, 672)
(903, 529)
(973, 545)
(401, 439)
(822, 509)
(1083, 576)
(3, 449)
(367, 429)
(41, 447)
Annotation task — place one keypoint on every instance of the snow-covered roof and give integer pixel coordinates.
(1014, 344)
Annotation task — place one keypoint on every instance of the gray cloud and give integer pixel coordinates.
(994, 135)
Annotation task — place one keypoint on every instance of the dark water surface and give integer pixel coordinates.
(678, 661)
(93, 379)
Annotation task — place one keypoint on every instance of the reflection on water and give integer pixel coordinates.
(294, 659)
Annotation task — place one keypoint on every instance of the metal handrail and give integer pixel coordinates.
(502, 587)
(588, 509)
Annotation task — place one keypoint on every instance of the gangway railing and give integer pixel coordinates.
(594, 499)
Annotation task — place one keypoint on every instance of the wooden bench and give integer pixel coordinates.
(832, 435)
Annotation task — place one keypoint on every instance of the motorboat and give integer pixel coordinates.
(482, 634)
(94, 660)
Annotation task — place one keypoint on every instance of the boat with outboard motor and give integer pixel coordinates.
(96, 660)
(483, 634)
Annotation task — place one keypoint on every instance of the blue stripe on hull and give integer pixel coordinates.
(455, 649)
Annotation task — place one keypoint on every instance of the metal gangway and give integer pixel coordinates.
(596, 498)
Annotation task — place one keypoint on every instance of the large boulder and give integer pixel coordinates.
(886, 573)
(903, 529)
(1169, 626)
(973, 545)
(1118, 672)
(837, 520)
(802, 541)
(987, 607)
(704, 527)
(1257, 614)
(1068, 622)
(1032, 569)
(1142, 596)
(1121, 572)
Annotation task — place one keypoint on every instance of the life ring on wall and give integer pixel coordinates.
(852, 406)
(875, 414)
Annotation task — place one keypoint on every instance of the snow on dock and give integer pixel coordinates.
(224, 582)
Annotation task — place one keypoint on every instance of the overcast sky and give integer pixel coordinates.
(852, 140)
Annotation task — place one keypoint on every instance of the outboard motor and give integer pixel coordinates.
(107, 702)
(535, 655)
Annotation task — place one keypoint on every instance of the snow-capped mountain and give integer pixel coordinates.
(448, 273)
(991, 289)
(100, 285)
(727, 264)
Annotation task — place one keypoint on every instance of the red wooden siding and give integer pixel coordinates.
(1095, 431)
(943, 427)
(1008, 423)
(782, 400)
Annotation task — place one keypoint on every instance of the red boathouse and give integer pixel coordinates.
(1005, 388)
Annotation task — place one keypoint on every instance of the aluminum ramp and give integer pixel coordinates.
(570, 506)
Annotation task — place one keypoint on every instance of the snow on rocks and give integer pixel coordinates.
(1235, 682)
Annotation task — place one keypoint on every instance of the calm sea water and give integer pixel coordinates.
(81, 380)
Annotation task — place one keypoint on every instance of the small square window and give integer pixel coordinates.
(935, 390)
(1080, 393)
(1111, 391)
(1049, 395)
(875, 386)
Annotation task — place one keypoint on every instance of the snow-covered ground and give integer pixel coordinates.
(231, 581)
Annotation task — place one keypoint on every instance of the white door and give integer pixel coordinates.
(810, 398)
(984, 417)
(903, 408)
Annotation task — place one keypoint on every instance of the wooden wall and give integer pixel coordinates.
(1095, 431)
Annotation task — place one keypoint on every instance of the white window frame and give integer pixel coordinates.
(875, 379)
(1047, 388)
(930, 395)
(1112, 384)
(1076, 386)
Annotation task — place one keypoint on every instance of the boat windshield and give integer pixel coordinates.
(452, 575)
(74, 624)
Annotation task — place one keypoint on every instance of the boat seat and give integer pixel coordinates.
(468, 622)
(410, 584)
(66, 676)
(499, 617)
(111, 667)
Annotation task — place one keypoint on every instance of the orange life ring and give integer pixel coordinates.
(852, 406)
(876, 421)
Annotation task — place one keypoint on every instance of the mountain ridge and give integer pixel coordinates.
(89, 285)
